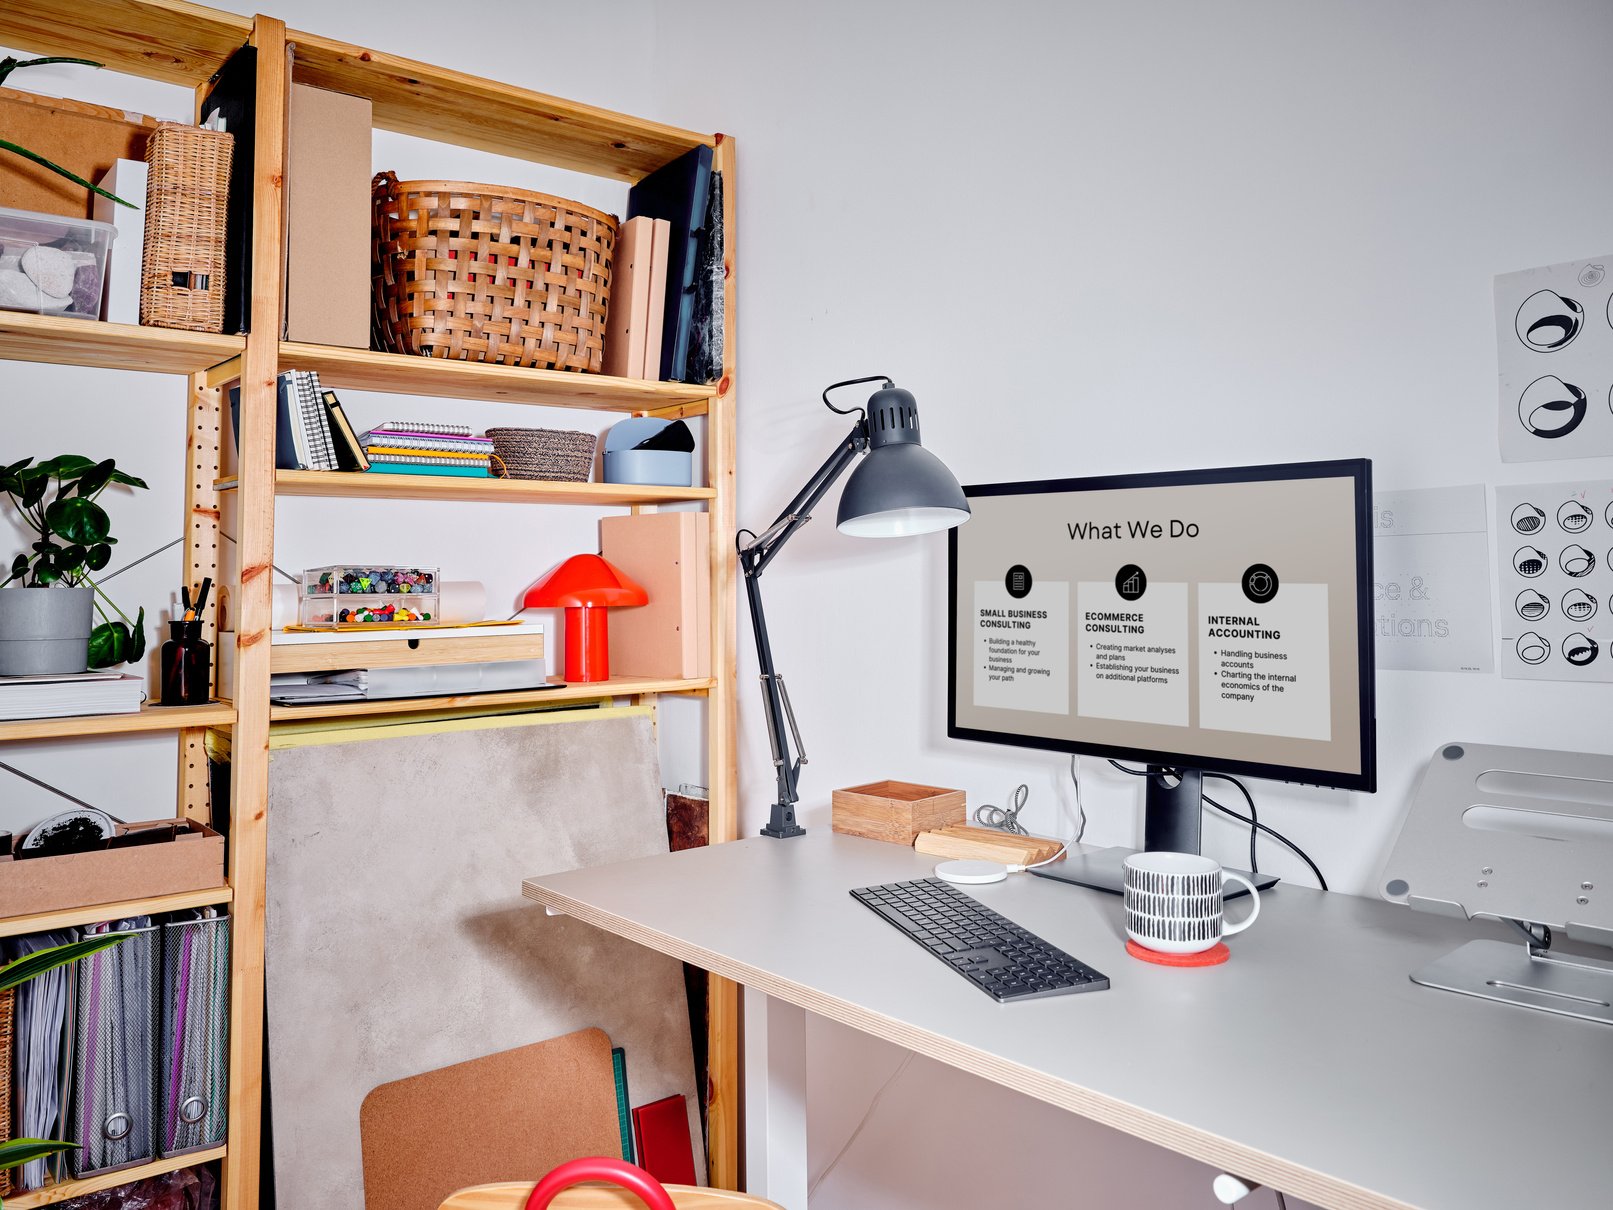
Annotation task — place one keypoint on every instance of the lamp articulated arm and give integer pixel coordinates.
(754, 556)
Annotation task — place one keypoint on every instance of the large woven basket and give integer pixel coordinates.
(182, 266)
(482, 273)
(557, 454)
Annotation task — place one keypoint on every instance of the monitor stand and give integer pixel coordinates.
(1173, 819)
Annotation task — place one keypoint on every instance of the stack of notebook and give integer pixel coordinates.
(408, 447)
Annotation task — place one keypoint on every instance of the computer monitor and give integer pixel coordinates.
(1208, 621)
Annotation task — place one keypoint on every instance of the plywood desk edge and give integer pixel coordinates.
(1205, 1146)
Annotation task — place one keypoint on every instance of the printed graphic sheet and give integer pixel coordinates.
(1553, 545)
(1431, 579)
(1554, 344)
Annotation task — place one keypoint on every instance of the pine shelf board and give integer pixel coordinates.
(83, 342)
(50, 1195)
(373, 486)
(452, 107)
(620, 686)
(442, 378)
(147, 718)
(41, 922)
(166, 40)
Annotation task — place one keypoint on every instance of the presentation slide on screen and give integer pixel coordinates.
(1216, 620)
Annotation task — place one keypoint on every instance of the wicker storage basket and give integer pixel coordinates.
(544, 453)
(182, 269)
(8, 1010)
(481, 273)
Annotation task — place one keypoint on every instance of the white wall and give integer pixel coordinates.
(1098, 238)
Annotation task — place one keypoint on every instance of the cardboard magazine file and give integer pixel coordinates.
(669, 554)
(192, 861)
(328, 218)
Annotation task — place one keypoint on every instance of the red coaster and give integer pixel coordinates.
(1214, 956)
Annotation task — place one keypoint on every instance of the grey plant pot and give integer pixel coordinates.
(45, 631)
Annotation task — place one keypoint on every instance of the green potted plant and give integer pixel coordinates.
(13, 975)
(49, 599)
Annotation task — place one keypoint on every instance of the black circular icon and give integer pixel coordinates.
(1018, 581)
(1260, 583)
(1131, 582)
(1580, 649)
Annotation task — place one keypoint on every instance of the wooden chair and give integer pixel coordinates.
(635, 1190)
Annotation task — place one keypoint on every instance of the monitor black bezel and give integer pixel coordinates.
(1359, 470)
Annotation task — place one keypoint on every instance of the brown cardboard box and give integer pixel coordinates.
(328, 218)
(667, 553)
(83, 138)
(194, 861)
(894, 811)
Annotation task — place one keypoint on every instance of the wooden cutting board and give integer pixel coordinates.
(509, 1116)
(965, 842)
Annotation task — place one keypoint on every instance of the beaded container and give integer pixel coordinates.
(347, 594)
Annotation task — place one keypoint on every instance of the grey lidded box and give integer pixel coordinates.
(627, 462)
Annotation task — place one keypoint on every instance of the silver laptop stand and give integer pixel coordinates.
(1525, 836)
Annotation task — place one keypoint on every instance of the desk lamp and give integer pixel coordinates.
(586, 587)
(899, 489)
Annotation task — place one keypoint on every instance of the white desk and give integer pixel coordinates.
(1309, 1062)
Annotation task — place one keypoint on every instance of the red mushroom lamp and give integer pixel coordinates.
(585, 586)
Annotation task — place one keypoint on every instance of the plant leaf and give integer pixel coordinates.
(33, 489)
(19, 565)
(127, 480)
(96, 477)
(78, 520)
(109, 645)
(31, 966)
(8, 145)
(20, 1151)
(137, 636)
(98, 556)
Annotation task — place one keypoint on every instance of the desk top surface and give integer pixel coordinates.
(1309, 1062)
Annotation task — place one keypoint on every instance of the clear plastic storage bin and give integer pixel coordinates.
(353, 595)
(53, 265)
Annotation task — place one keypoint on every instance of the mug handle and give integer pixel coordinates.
(1227, 927)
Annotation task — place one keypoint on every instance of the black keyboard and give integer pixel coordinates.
(995, 954)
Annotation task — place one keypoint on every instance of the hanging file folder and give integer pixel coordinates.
(114, 1060)
(194, 1064)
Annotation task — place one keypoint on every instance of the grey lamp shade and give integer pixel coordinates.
(900, 489)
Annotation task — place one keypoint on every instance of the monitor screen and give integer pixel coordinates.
(1216, 620)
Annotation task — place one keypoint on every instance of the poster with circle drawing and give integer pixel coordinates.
(1555, 556)
(1554, 345)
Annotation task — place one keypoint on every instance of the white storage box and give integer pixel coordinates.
(53, 265)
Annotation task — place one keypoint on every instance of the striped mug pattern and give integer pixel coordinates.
(1174, 902)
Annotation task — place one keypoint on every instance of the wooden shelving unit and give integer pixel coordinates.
(621, 686)
(337, 485)
(79, 342)
(92, 913)
(52, 1195)
(147, 719)
(184, 43)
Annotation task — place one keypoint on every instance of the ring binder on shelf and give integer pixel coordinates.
(114, 1061)
(194, 1064)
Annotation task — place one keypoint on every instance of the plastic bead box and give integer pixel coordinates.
(353, 595)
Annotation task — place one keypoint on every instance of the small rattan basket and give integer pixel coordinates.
(182, 267)
(484, 273)
(556, 454)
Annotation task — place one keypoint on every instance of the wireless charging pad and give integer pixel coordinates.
(968, 872)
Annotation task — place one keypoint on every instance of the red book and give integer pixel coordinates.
(664, 1148)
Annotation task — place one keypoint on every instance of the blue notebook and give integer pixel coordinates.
(458, 472)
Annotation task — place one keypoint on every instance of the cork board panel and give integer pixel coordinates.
(398, 941)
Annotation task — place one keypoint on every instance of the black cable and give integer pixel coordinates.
(851, 382)
(1254, 867)
(1254, 824)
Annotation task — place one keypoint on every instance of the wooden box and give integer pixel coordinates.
(894, 811)
(193, 861)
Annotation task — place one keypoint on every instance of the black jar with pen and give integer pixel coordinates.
(187, 658)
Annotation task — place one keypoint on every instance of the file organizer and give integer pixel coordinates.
(114, 1100)
(194, 1061)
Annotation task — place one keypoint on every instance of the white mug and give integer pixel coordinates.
(1174, 902)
